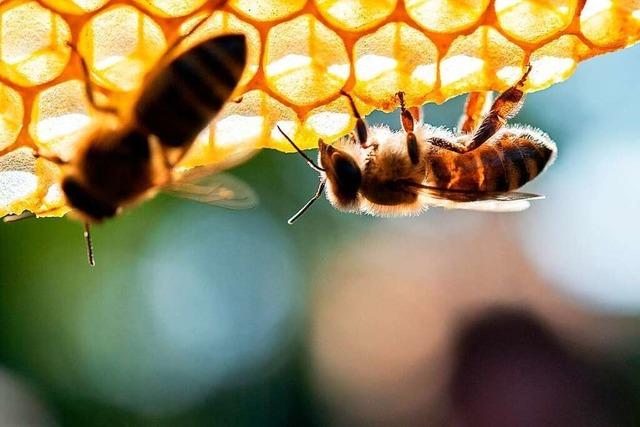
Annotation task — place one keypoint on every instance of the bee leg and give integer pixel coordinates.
(416, 113)
(177, 160)
(477, 106)
(361, 133)
(168, 54)
(52, 158)
(446, 144)
(88, 84)
(504, 107)
(407, 120)
(167, 172)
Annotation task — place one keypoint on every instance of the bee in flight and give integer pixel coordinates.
(381, 172)
(130, 155)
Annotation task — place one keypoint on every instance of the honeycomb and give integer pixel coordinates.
(301, 53)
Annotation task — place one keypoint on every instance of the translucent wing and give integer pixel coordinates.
(230, 160)
(478, 201)
(488, 205)
(222, 190)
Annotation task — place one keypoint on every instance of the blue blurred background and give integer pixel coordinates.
(196, 316)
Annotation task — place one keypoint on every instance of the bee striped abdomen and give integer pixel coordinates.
(526, 153)
(187, 94)
(504, 163)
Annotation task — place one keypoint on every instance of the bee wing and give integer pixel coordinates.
(489, 205)
(217, 189)
(478, 201)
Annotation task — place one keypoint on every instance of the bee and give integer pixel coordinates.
(380, 172)
(130, 155)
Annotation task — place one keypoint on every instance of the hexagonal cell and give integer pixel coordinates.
(11, 116)
(258, 114)
(32, 43)
(483, 60)
(18, 180)
(330, 121)
(611, 23)
(50, 200)
(121, 44)
(446, 16)
(533, 20)
(59, 117)
(226, 23)
(170, 8)
(555, 61)
(53, 203)
(310, 70)
(75, 7)
(241, 128)
(395, 58)
(355, 15)
(267, 10)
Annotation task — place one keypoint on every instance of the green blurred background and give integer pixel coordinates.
(196, 316)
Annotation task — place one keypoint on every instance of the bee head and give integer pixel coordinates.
(337, 167)
(84, 202)
(342, 171)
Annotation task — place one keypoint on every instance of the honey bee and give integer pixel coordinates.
(130, 155)
(385, 173)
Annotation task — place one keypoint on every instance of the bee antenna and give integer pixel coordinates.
(311, 201)
(87, 238)
(310, 162)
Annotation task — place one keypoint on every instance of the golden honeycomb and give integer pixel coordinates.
(301, 54)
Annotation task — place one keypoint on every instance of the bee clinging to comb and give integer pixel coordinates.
(129, 155)
(381, 172)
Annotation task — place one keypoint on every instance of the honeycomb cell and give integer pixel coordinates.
(555, 61)
(267, 10)
(395, 58)
(50, 201)
(355, 15)
(329, 121)
(53, 204)
(11, 116)
(310, 70)
(170, 8)
(611, 23)
(446, 16)
(534, 20)
(238, 129)
(59, 117)
(75, 7)
(226, 23)
(241, 128)
(32, 43)
(121, 44)
(483, 60)
(18, 180)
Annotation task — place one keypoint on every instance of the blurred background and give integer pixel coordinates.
(196, 316)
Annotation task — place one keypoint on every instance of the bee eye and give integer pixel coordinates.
(347, 173)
